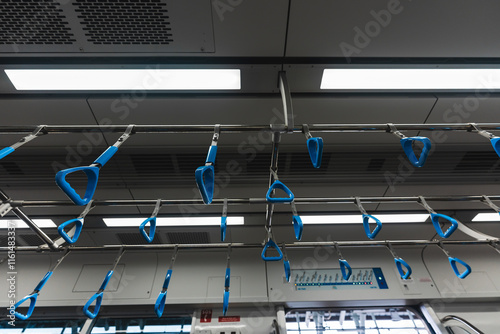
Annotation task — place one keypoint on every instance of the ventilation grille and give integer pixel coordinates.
(188, 237)
(143, 22)
(35, 240)
(135, 239)
(33, 22)
(3, 240)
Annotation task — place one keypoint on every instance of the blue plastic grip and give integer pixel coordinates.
(404, 268)
(223, 226)
(495, 142)
(5, 152)
(453, 262)
(407, 144)
(435, 222)
(286, 264)
(315, 148)
(106, 155)
(152, 228)
(212, 153)
(279, 185)
(160, 303)
(366, 225)
(78, 229)
(43, 281)
(92, 177)
(227, 278)
(225, 302)
(205, 180)
(346, 269)
(166, 282)
(271, 243)
(32, 299)
(98, 298)
(298, 227)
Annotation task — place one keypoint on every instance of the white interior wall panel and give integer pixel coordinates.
(410, 29)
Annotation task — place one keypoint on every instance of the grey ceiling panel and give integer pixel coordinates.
(410, 29)
(250, 28)
(466, 109)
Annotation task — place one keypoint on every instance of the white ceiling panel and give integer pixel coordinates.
(381, 28)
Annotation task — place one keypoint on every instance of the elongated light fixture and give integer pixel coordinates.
(357, 219)
(125, 79)
(411, 79)
(18, 223)
(486, 217)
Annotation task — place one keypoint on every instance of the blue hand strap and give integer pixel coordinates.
(272, 244)
(279, 185)
(407, 144)
(298, 227)
(286, 264)
(152, 228)
(223, 226)
(92, 173)
(315, 148)
(97, 297)
(6, 151)
(162, 297)
(32, 297)
(495, 142)
(225, 302)
(404, 268)
(435, 221)
(205, 180)
(346, 269)
(366, 225)
(78, 229)
(453, 262)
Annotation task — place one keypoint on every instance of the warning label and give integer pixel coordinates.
(206, 316)
(230, 319)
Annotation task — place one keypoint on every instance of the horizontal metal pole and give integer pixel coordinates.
(237, 128)
(298, 245)
(250, 201)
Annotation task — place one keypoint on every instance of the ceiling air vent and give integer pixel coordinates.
(125, 22)
(31, 22)
(11, 167)
(35, 240)
(188, 237)
(476, 161)
(135, 239)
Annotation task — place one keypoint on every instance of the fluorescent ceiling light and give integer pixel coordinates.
(358, 219)
(173, 221)
(18, 223)
(124, 79)
(397, 78)
(486, 217)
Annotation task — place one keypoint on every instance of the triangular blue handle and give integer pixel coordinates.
(407, 144)
(279, 185)
(495, 142)
(152, 228)
(346, 269)
(315, 148)
(435, 221)
(160, 303)
(272, 244)
(5, 152)
(225, 302)
(78, 229)
(223, 226)
(205, 180)
(286, 264)
(366, 225)
(98, 298)
(454, 261)
(92, 177)
(298, 227)
(404, 268)
(32, 299)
